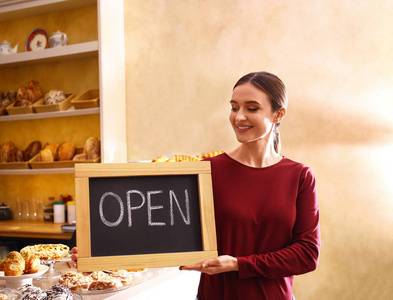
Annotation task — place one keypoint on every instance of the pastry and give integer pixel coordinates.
(13, 264)
(106, 283)
(59, 292)
(47, 251)
(31, 292)
(32, 150)
(32, 263)
(125, 277)
(161, 158)
(65, 151)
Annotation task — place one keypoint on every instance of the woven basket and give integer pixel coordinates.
(88, 99)
(18, 110)
(40, 107)
(15, 165)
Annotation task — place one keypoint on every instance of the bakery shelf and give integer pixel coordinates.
(26, 8)
(75, 51)
(56, 114)
(37, 171)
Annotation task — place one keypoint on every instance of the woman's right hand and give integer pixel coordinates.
(74, 256)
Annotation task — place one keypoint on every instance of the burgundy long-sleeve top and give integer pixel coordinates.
(268, 218)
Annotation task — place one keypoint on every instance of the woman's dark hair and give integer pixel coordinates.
(276, 91)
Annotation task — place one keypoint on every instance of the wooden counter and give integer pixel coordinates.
(32, 229)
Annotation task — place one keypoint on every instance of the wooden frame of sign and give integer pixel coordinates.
(91, 259)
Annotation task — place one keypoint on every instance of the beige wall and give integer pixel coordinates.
(182, 59)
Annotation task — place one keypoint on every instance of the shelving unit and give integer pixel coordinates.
(109, 22)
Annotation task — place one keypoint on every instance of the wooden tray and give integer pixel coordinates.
(36, 164)
(12, 110)
(40, 107)
(3, 110)
(88, 99)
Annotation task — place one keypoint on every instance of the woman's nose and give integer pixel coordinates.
(240, 115)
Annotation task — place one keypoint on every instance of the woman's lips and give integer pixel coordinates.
(243, 127)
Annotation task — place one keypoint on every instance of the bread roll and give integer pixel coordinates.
(13, 264)
(46, 155)
(65, 151)
(52, 148)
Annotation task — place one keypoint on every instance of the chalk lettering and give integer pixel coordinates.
(172, 197)
(103, 219)
(130, 207)
(150, 208)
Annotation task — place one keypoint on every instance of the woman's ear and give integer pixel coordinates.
(280, 114)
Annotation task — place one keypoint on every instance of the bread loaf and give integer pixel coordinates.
(8, 152)
(92, 148)
(66, 151)
(32, 150)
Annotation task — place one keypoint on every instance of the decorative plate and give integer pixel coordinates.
(38, 39)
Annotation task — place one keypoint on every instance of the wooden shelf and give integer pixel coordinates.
(76, 51)
(28, 8)
(37, 171)
(56, 114)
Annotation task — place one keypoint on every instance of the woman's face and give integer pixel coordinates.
(251, 115)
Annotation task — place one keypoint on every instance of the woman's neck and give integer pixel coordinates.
(256, 154)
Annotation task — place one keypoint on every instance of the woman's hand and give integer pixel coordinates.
(221, 264)
(74, 256)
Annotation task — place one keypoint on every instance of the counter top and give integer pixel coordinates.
(32, 229)
(154, 283)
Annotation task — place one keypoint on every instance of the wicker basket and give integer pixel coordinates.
(40, 107)
(88, 99)
(3, 110)
(36, 164)
(15, 165)
(18, 110)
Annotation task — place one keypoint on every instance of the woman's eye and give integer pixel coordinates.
(233, 109)
(252, 109)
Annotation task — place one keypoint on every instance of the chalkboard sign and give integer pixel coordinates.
(144, 215)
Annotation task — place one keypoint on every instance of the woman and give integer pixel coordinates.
(266, 209)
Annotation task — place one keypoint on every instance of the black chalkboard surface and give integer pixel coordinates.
(140, 215)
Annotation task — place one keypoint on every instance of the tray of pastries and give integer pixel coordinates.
(97, 282)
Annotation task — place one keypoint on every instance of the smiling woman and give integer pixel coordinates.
(266, 208)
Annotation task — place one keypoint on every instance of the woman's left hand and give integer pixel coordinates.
(221, 264)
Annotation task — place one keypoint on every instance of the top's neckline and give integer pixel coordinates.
(256, 168)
